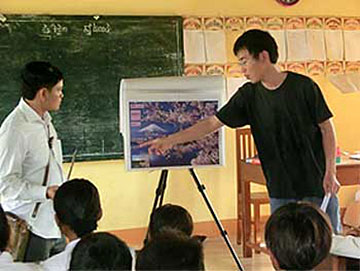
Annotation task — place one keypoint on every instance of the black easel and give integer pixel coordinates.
(160, 191)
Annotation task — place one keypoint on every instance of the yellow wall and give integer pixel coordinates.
(127, 197)
(181, 7)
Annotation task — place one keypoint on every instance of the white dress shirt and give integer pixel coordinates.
(7, 264)
(61, 261)
(24, 155)
(346, 246)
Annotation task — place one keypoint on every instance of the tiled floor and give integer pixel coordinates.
(218, 257)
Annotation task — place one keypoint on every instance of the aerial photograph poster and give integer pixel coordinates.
(150, 120)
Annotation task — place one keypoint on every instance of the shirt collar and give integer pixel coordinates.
(72, 244)
(31, 114)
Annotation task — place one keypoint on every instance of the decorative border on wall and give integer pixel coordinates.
(341, 32)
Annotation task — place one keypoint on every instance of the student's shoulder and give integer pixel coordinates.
(6, 263)
(56, 262)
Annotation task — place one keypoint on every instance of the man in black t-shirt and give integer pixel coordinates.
(290, 121)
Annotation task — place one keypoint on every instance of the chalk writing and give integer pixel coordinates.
(5, 25)
(54, 29)
(91, 28)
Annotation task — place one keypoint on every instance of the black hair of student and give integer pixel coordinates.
(170, 216)
(77, 205)
(4, 230)
(256, 41)
(36, 75)
(298, 235)
(171, 250)
(100, 251)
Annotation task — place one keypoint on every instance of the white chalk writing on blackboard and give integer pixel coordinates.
(54, 29)
(91, 28)
(5, 25)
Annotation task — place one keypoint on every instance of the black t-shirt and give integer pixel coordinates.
(284, 123)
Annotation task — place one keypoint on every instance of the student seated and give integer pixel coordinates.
(346, 246)
(171, 250)
(170, 216)
(100, 251)
(77, 211)
(6, 260)
(298, 236)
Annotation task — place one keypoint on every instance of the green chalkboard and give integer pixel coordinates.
(94, 53)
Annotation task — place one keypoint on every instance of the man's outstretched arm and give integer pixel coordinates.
(197, 131)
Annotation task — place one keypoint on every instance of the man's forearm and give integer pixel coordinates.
(329, 144)
(197, 131)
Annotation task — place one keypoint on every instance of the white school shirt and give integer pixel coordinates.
(24, 155)
(7, 264)
(345, 246)
(61, 261)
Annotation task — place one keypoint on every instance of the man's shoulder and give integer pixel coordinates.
(15, 122)
(15, 117)
(299, 78)
(246, 88)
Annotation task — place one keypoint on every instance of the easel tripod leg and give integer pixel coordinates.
(160, 190)
(201, 188)
(159, 195)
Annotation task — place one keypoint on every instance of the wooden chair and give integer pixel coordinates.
(245, 148)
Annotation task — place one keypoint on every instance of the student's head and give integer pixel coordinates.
(171, 250)
(100, 251)
(298, 236)
(255, 49)
(170, 216)
(44, 81)
(4, 231)
(77, 206)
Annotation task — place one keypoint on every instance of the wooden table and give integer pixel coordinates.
(348, 173)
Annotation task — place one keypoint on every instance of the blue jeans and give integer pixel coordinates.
(332, 210)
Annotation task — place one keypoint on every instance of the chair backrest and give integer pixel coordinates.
(245, 146)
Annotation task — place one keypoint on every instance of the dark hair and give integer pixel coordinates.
(100, 251)
(256, 41)
(171, 250)
(4, 230)
(36, 75)
(77, 204)
(298, 235)
(170, 216)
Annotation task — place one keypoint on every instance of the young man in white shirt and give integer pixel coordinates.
(31, 158)
(77, 211)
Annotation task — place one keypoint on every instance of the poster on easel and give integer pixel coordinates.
(151, 108)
